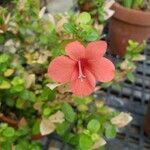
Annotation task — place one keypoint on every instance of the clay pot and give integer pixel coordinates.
(37, 137)
(14, 124)
(147, 121)
(127, 24)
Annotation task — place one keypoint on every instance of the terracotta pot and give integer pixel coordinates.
(15, 124)
(147, 121)
(37, 137)
(127, 24)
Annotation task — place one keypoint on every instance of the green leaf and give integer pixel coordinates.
(35, 146)
(57, 51)
(23, 131)
(28, 95)
(36, 128)
(17, 81)
(3, 126)
(103, 110)
(2, 39)
(17, 88)
(82, 100)
(82, 107)
(4, 58)
(43, 39)
(62, 128)
(68, 112)
(5, 85)
(107, 84)
(131, 76)
(93, 125)
(22, 145)
(70, 28)
(47, 94)
(85, 142)
(6, 145)
(8, 72)
(137, 4)
(74, 140)
(84, 18)
(91, 36)
(47, 111)
(110, 131)
(20, 103)
(8, 132)
(127, 3)
(3, 67)
(24, 94)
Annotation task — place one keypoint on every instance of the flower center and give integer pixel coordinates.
(81, 75)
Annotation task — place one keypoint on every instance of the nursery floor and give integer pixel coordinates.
(133, 98)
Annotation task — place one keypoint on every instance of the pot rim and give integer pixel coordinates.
(131, 16)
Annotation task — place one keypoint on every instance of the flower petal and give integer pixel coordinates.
(103, 69)
(83, 87)
(61, 68)
(95, 50)
(75, 50)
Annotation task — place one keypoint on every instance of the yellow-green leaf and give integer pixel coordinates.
(5, 85)
(8, 72)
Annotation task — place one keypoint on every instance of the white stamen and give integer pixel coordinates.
(81, 75)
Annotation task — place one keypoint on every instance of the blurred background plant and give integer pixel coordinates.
(9, 136)
(99, 9)
(126, 67)
(136, 4)
(5, 2)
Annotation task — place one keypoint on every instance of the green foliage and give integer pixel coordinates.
(69, 113)
(84, 101)
(110, 131)
(47, 94)
(36, 128)
(97, 9)
(135, 4)
(28, 42)
(85, 142)
(4, 58)
(126, 67)
(93, 125)
(130, 76)
(127, 3)
(8, 132)
(24, 39)
(80, 26)
(62, 128)
(10, 137)
(84, 18)
(70, 28)
(88, 125)
(47, 111)
(134, 49)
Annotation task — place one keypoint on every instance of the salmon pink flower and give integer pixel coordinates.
(82, 67)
